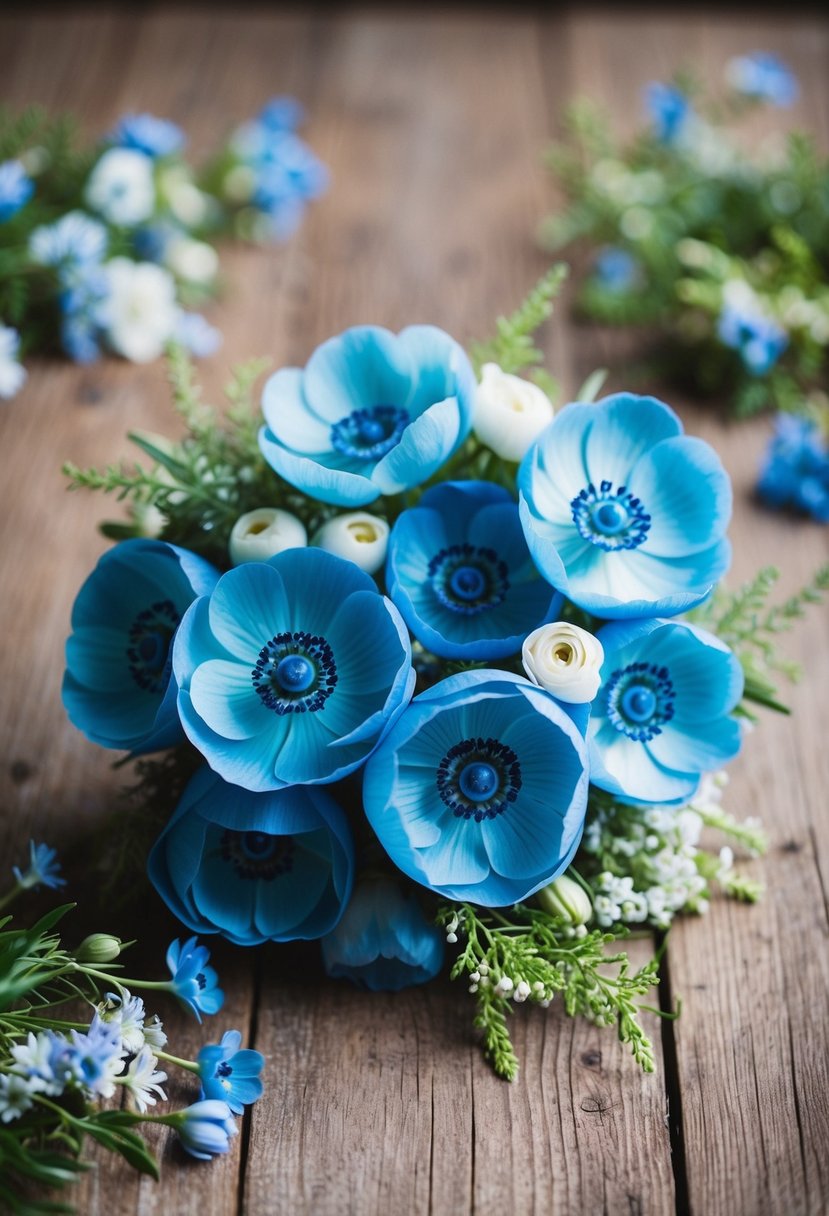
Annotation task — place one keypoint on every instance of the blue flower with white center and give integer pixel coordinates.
(462, 576)
(479, 790)
(662, 716)
(383, 942)
(155, 137)
(88, 1061)
(194, 983)
(292, 671)
(71, 240)
(44, 869)
(763, 76)
(229, 1074)
(205, 1128)
(758, 339)
(16, 188)
(669, 110)
(254, 867)
(118, 688)
(795, 470)
(623, 513)
(12, 372)
(371, 413)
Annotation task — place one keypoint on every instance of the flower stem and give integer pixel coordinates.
(190, 1065)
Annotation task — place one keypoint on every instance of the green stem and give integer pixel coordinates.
(190, 1065)
(10, 895)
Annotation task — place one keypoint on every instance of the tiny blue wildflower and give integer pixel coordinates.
(205, 1128)
(461, 573)
(73, 239)
(763, 76)
(795, 469)
(623, 513)
(758, 339)
(89, 1061)
(16, 188)
(229, 1074)
(254, 867)
(195, 333)
(383, 942)
(118, 687)
(282, 114)
(669, 109)
(371, 413)
(194, 983)
(12, 372)
(662, 715)
(479, 790)
(292, 671)
(84, 290)
(155, 137)
(44, 868)
(617, 270)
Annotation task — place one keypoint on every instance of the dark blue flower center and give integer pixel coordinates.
(148, 649)
(611, 519)
(478, 778)
(295, 673)
(368, 434)
(467, 579)
(223, 1069)
(640, 700)
(258, 855)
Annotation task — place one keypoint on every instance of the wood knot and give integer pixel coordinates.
(20, 771)
(592, 1058)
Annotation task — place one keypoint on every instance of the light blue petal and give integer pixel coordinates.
(424, 446)
(457, 857)
(289, 417)
(251, 763)
(341, 489)
(553, 471)
(624, 767)
(442, 370)
(704, 748)
(686, 491)
(624, 428)
(225, 699)
(249, 607)
(317, 586)
(363, 367)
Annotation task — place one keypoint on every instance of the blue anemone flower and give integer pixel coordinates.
(758, 339)
(205, 1128)
(763, 76)
(383, 942)
(662, 716)
(194, 983)
(371, 413)
(229, 1074)
(623, 513)
(254, 867)
(462, 576)
(16, 188)
(669, 110)
(479, 790)
(44, 868)
(155, 137)
(795, 470)
(291, 672)
(118, 688)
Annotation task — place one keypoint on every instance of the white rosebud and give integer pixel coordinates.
(195, 261)
(260, 534)
(567, 899)
(360, 537)
(564, 659)
(140, 312)
(510, 413)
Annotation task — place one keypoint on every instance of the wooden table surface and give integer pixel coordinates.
(432, 124)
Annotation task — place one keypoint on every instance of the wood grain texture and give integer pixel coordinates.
(432, 124)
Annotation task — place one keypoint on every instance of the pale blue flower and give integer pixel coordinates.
(118, 687)
(197, 335)
(292, 671)
(795, 469)
(84, 291)
(763, 76)
(758, 339)
(371, 413)
(479, 790)
(16, 188)
(617, 270)
(194, 983)
(623, 513)
(462, 576)
(229, 1074)
(206, 1128)
(383, 942)
(88, 1061)
(44, 868)
(254, 867)
(73, 239)
(155, 137)
(663, 713)
(282, 114)
(12, 372)
(669, 109)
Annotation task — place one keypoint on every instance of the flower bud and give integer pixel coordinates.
(360, 537)
(260, 534)
(98, 948)
(195, 261)
(565, 660)
(567, 899)
(510, 413)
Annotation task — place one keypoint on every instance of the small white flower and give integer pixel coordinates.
(143, 1081)
(154, 1033)
(12, 373)
(510, 413)
(504, 985)
(565, 660)
(140, 312)
(121, 187)
(357, 536)
(522, 991)
(451, 938)
(261, 534)
(127, 1013)
(15, 1096)
(195, 261)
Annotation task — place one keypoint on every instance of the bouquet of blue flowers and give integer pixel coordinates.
(434, 662)
(111, 247)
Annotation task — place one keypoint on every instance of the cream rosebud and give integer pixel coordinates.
(98, 948)
(260, 534)
(567, 899)
(510, 413)
(195, 261)
(565, 660)
(360, 537)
